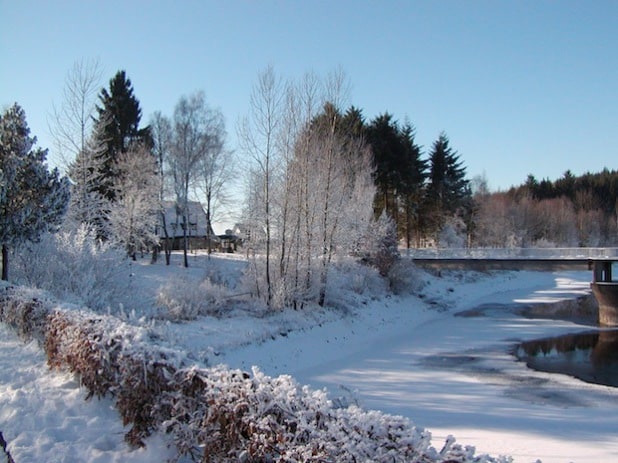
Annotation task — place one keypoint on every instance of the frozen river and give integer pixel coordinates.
(457, 375)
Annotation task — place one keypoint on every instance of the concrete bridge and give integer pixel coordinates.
(600, 261)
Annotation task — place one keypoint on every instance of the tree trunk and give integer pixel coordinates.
(5, 263)
(167, 248)
(185, 245)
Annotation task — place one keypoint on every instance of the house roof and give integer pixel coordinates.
(197, 220)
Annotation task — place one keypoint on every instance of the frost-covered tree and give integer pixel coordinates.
(88, 206)
(214, 173)
(161, 131)
(133, 217)
(257, 134)
(197, 131)
(311, 192)
(32, 198)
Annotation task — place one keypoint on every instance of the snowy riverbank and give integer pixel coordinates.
(407, 356)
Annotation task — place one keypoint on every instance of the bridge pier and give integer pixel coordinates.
(605, 291)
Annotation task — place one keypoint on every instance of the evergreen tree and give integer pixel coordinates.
(414, 173)
(400, 173)
(388, 154)
(353, 123)
(118, 128)
(448, 190)
(32, 199)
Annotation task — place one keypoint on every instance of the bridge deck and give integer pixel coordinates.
(482, 264)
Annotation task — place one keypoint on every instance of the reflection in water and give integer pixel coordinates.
(589, 356)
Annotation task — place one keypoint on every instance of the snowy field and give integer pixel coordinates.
(409, 356)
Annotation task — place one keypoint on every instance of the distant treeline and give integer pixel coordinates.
(570, 211)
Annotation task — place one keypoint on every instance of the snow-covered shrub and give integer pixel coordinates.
(380, 248)
(85, 344)
(452, 234)
(74, 266)
(545, 243)
(24, 310)
(143, 379)
(185, 299)
(406, 278)
(349, 279)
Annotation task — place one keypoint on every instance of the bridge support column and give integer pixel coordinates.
(607, 297)
(605, 292)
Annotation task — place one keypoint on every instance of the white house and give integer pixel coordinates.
(199, 232)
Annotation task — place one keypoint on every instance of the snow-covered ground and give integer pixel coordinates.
(453, 375)
(409, 356)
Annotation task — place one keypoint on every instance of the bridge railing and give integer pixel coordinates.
(512, 253)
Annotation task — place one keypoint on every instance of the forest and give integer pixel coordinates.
(572, 211)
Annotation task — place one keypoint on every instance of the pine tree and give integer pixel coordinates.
(414, 175)
(448, 190)
(400, 173)
(32, 199)
(118, 128)
(388, 154)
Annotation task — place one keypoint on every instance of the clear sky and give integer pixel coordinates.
(518, 86)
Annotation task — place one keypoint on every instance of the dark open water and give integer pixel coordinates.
(590, 356)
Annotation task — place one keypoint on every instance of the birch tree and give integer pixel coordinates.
(71, 122)
(161, 130)
(197, 131)
(258, 136)
(315, 186)
(213, 174)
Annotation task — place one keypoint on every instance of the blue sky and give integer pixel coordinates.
(519, 86)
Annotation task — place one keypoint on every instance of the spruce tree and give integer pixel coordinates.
(384, 137)
(414, 174)
(118, 128)
(448, 190)
(400, 173)
(32, 199)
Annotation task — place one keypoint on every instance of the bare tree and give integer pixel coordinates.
(315, 185)
(197, 131)
(161, 131)
(214, 173)
(258, 136)
(71, 123)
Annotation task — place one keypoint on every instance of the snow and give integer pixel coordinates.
(409, 356)
(453, 375)
(44, 415)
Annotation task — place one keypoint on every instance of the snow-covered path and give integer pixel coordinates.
(453, 375)
(44, 416)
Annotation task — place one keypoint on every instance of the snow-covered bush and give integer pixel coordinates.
(380, 248)
(24, 310)
(349, 279)
(406, 278)
(75, 340)
(452, 234)
(76, 267)
(185, 299)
